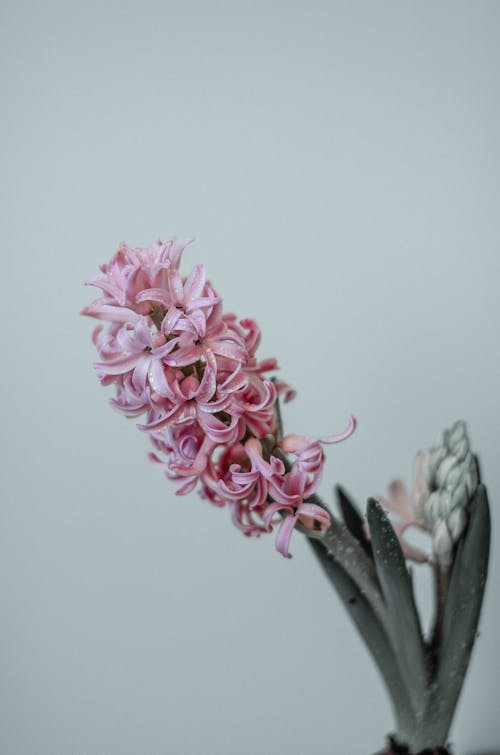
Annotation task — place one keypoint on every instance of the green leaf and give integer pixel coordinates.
(353, 519)
(406, 634)
(461, 618)
(373, 633)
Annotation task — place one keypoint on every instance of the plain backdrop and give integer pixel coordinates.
(338, 164)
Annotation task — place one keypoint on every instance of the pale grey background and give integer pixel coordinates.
(338, 163)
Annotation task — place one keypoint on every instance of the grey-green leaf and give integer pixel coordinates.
(397, 589)
(461, 617)
(373, 634)
(353, 519)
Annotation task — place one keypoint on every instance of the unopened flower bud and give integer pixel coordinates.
(442, 543)
(456, 523)
(449, 470)
(457, 439)
(436, 454)
(446, 478)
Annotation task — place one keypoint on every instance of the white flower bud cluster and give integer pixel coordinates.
(446, 480)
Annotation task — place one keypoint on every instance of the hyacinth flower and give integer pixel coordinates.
(175, 357)
(211, 409)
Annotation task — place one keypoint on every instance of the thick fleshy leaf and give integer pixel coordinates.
(397, 588)
(373, 634)
(345, 548)
(461, 618)
(353, 519)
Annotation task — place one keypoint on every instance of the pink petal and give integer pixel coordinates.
(272, 509)
(228, 349)
(110, 313)
(284, 535)
(154, 294)
(176, 288)
(175, 252)
(117, 366)
(204, 301)
(195, 283)
(140, 373)
(161, 351)
(170, 320)
(352, 424)
(197, 318)
(315, 514)
(158, 381)
(207, 386)
(235, 381)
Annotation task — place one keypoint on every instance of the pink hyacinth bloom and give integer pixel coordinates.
(172, 354)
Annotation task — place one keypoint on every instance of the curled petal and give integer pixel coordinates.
(252, 338)
(176, 414)
(235, 381)
(176, 250)
(313, 517)
(218, 431)
(351, 426)
(169, 322)
(154, 294)
(187, 487)
(207, 387)
(284, 535)
(267, 397)
(275, 466)
(298, 443)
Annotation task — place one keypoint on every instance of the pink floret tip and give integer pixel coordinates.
(191, 371)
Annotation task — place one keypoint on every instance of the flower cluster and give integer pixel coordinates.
(174, 356)
(446, 478)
